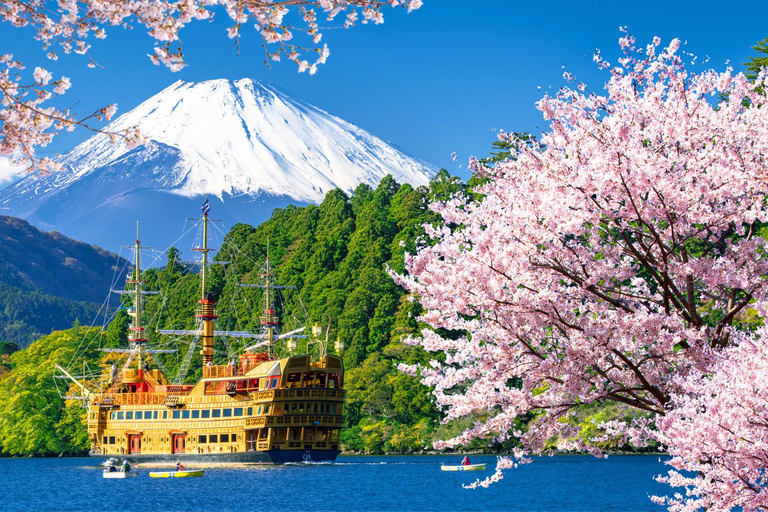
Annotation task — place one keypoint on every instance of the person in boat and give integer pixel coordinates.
(180, 467)
(111, 468)
(125, 468)
(465, 462)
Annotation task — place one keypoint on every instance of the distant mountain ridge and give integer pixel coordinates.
(249, 145)
(47, 281)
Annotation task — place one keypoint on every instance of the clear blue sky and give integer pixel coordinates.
(438, 80)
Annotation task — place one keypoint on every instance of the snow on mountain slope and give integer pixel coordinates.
(243, 142)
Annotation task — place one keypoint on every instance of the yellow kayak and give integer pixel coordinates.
(175, 474)
(464, 467)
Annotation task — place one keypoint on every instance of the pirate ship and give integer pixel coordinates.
(256, 408)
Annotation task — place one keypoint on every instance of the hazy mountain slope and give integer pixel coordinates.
(48, 280)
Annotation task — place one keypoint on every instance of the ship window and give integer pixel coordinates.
(224, 438)
(274, 382)
(213, 438)
(176, 415)
(315, 408)
(185, 415)
(111, 439)
(154, 416)
(301, 407)
(139, 415)
(293, 377)
(112, 415)
(333, 408)
(105, 440)
(195, 415)
(258, 410)
(119, 415)
(322, 407)
(238, 411)
(206, 413)
(307, 376)
(216, 413)
(203, 439)
(129, 415)
(265, 384)
(227, 413)
(293, 407)
(165, 415)
(266, 409)
(250, 411)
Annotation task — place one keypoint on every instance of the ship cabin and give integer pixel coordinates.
(250, 404)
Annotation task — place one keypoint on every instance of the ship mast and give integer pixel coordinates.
(207, 312)
(137, 338)
(269, 320)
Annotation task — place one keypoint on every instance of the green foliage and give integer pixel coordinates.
(26, 314)
(33, 419)
(337, 255)
(756, 64)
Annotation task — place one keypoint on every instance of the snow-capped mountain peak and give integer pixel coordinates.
(231, 139)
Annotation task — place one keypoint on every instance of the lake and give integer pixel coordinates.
(560, 483)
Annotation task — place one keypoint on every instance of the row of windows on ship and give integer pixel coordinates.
(202, 439)
(184, 414)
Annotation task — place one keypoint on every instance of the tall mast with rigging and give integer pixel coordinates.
(137, 337)
(207, 310)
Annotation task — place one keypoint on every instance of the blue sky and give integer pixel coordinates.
(442, 79)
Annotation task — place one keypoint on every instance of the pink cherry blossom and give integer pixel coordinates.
(66, 26)
(613, 261)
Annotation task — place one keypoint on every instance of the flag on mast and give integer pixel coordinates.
(206, 207)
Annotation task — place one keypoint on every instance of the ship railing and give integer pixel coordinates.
(309, 393)
(222, 370)
(133, 398)
(176, 390)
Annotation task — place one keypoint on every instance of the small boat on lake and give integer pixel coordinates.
(463, 467)
(119, 474)
(175, 474)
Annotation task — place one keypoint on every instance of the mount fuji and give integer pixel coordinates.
(250, 146)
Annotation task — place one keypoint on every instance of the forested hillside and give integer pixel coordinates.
(336, 254)
(47, 281)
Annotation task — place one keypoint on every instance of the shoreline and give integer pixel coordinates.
(432, 453)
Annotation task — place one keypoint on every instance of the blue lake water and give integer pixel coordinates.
(560, 483)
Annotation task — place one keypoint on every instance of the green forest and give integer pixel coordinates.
(337, 255)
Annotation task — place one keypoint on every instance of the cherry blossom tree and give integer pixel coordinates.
(717, 431)
(617, 260)
(65, 26)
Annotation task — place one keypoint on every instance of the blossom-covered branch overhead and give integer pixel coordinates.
(70, 26)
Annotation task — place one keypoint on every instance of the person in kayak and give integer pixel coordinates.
(111, 468)
(465, 462)
(179, 467)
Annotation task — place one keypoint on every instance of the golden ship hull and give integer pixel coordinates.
(255, 411)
